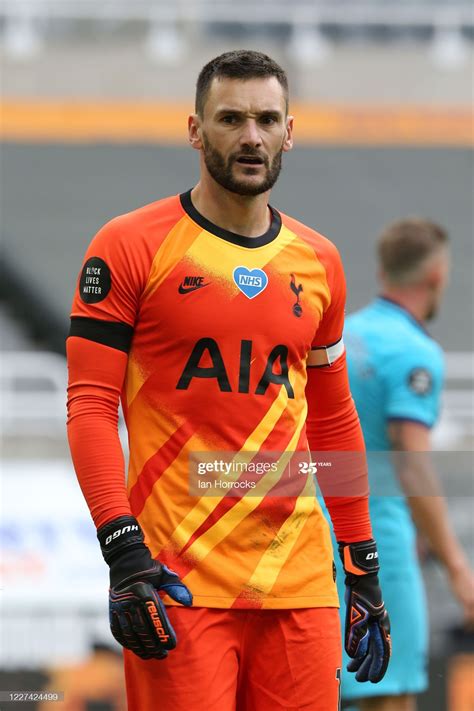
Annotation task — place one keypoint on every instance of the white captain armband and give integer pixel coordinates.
(322, 356)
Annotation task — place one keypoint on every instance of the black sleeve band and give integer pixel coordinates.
(109, 333)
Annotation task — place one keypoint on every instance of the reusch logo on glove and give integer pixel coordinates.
(157, 623)
(119, 532)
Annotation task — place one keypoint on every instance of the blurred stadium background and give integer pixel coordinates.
(94, 100)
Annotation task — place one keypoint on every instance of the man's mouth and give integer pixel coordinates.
(250, 160)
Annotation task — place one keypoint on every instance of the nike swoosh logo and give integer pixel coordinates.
(186, 289)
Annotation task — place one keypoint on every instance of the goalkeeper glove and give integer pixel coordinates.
(138, 618)
(367, 625)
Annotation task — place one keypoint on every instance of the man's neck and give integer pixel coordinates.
(410, 300)
(244, 215)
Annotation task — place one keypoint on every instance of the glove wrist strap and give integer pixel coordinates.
(359, 558)
(118, 536)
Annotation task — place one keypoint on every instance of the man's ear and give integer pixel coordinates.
(288, 142)
(195, 131)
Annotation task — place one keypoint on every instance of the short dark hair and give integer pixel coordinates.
(405, 245)
(239, 64)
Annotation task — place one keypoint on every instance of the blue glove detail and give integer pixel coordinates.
(172, 585)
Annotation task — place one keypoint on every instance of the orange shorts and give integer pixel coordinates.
(242, 660)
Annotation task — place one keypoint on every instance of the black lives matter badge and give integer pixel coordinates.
(95, 281)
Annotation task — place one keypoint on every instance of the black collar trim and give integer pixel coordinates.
(240, 240)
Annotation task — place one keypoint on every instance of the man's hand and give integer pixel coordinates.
(138, 618)
(367, 627)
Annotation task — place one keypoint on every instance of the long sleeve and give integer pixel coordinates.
(103, 315)
(96, 374)
(332, 423)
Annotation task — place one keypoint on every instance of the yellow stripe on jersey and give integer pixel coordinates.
(272, 561)
(199, 513)
(212, 255)
(214, 535)
(201, 547)
(135, 378)
(170, 252)
(149, 429)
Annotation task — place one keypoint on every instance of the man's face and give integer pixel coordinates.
(243, 133)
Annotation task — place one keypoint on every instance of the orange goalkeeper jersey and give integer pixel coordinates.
(219, 330)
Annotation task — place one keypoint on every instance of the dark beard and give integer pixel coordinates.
(221, 171)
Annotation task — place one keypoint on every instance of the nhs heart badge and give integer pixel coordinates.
(251, 282)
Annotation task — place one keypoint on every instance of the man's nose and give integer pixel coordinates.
(251, 135)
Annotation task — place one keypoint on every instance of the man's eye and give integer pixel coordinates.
(229, 118)
(269, 120)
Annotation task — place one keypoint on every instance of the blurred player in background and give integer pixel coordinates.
(396, 377)
(219, 321)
